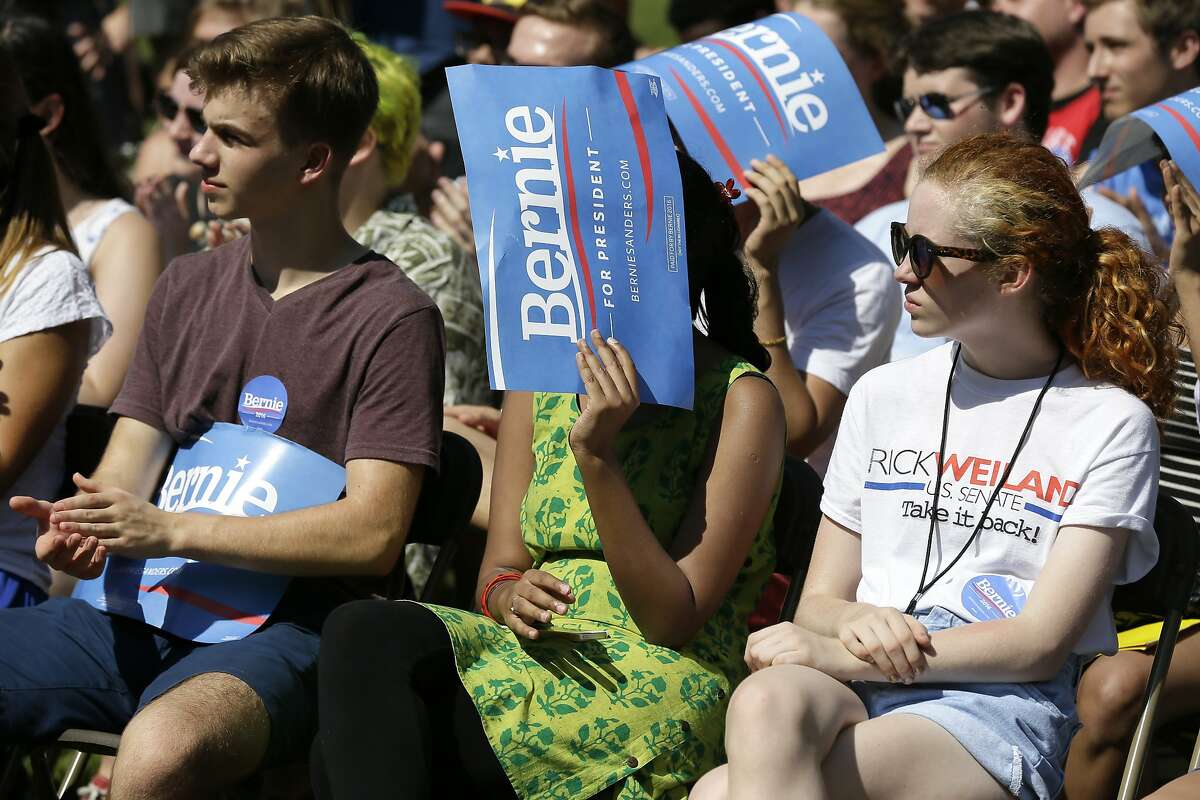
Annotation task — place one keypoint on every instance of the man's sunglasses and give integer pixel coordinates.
(935, 104)
(924, 252)
(166, 107)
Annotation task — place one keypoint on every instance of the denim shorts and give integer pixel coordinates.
(1018, 732)
(63, 664)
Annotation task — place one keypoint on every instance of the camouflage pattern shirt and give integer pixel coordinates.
(439, 266)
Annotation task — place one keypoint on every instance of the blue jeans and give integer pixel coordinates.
(1018, 732)
(64, 664)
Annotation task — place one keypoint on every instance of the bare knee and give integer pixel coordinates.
(209, 731)
(784, 701)
(769, 697)
(1111, 695)
(713, 786)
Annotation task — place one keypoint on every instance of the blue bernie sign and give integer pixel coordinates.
(777, 85)
(234, 471)
(578, 214)
(1131, 140)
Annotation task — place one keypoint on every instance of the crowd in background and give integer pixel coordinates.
(808, 283)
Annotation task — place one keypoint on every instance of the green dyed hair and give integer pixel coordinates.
(398, 116)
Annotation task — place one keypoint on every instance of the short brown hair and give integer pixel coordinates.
(617, 42)
(309, 68)
(1165, 20)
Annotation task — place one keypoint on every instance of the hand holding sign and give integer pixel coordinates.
(610, 379)
(773, 188)
(1184, 204)
(777, 84)
(577, 211)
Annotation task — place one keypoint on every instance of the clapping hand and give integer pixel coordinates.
(80, 556)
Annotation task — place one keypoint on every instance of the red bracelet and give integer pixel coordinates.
(503, 577)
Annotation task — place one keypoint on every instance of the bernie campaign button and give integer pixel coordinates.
(262, 404)
(993, 597)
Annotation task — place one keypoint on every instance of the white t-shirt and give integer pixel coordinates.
(1091, 459)
(52, 289)
(841, 306)
(89, 233)
(877, 226)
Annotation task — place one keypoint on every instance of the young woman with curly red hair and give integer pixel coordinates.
(982, 501)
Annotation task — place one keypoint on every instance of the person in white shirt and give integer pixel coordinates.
(827, 304)
(981, 503)
(50, 323)
(971, 73)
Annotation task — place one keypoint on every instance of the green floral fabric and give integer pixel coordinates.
(570, 719)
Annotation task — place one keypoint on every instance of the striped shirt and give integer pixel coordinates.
(1179, 474)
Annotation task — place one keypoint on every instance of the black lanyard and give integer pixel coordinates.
(922, 586)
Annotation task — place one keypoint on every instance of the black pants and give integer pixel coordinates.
(395, 720)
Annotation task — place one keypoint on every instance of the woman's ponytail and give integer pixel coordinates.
(1109, 304)
(1126, 331)
(724, 296)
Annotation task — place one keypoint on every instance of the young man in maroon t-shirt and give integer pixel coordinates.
(354, 351)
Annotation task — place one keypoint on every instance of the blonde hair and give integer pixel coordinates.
(1102, 296)
(398, 116)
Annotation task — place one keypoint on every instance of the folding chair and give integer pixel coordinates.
(443, 510)
(1163, 592)
(797, 517)
(447, 500)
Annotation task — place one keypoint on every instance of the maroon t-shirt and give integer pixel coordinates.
(360, 353)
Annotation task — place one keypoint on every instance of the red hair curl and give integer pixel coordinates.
(1105, 299)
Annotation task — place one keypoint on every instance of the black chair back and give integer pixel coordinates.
(1164, 592)
(1169, 584)
(88, 431)
(797, 517)
(447, 500)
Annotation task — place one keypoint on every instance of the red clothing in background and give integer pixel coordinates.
(1073, 127)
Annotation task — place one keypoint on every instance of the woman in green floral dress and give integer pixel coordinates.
(649, 523)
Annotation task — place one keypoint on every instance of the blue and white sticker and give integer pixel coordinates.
(262, 404)
(993, 597)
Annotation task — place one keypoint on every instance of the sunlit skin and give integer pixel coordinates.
(865, 71)
(245, 163)
(539, 42)
(1059, 23)
(957, 297)
(1055, 20)
(1128, 64)
(960, 301)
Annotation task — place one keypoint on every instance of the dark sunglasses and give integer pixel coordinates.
(924, 252)
(935, 104)
(166, 107)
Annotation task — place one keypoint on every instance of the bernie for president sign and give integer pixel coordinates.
(1172, 125)
(777, 85)
(234, 471)
(578, 216)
